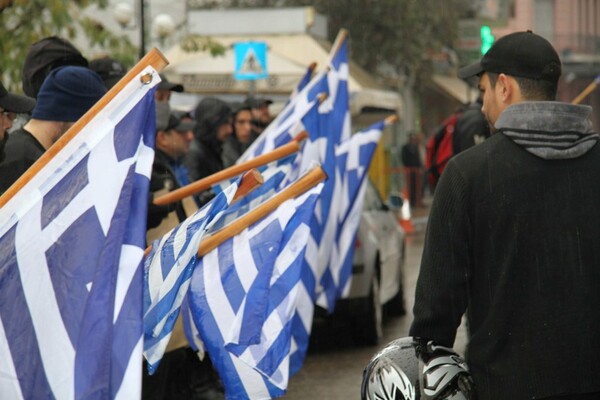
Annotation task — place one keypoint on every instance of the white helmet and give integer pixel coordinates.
(413, 369)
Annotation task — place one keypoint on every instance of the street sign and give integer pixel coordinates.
(250, 60)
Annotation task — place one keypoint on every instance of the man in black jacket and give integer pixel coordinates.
(65, 96)
(512, 238)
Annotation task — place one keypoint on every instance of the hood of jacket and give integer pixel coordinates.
(210, 114)
(549, 129)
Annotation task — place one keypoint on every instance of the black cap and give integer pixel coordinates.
(179, 124)
(520, 54)
(256, 102)
(109, 69)
(15, 103)
(166, 85)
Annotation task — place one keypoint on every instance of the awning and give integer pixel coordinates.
(455, 88)
(288, 58)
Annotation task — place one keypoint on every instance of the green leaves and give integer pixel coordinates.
(23, 22)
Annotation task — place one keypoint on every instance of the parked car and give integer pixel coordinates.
(378, 265)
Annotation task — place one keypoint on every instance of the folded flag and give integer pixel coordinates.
(167, 272)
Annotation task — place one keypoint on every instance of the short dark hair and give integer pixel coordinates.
(531, 89)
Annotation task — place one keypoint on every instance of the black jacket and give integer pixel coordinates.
(512, 240)
(21, 150)
(162, 177)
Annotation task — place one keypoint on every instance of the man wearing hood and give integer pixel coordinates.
(213, 127)
(512, 237)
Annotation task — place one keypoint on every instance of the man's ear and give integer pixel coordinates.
(509, 89)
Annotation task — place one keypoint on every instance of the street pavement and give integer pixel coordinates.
(334, 365)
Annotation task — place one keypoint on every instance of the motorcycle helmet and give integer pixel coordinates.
(414, 369)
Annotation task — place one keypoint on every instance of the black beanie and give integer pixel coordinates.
(67, 93)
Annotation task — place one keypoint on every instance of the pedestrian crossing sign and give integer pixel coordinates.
(250, 60)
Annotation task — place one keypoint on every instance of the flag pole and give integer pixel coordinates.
(341, 36)
(154, 58)
(390, 120)
(250, 181)
(297, 188)
(227, 173)
(589, 89)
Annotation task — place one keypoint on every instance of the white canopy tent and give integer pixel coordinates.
(288, 58)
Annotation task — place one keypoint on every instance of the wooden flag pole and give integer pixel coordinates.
(250, 181)
(339, 39)
(154, 58)
(392, 119)
(297, 188)
(589, 89)
(227, 173)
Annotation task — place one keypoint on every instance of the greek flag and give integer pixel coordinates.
(244, 296)
(328, 128)
(287, 124)
(167, 273)
(304, 81)
(71, 247)
(353, 158)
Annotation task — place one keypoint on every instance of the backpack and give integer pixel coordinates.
(439, 149)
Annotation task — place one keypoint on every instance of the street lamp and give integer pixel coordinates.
(123, 13)
(164, 26)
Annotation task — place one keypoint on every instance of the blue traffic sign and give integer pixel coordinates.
(250, 60)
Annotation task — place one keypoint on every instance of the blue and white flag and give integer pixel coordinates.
(71, 247)
(304, 81)
(287, 124)
(167, 272)
(353, 158)
(243, 299)
(328, 128)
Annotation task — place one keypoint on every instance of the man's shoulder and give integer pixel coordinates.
(476, 156)
(21, 143)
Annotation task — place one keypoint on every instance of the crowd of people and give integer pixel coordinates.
(511, 238)
(60, 86)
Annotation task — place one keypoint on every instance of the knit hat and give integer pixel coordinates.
(67, 93)
(520, 54)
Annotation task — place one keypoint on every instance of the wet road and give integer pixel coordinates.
(334, 365)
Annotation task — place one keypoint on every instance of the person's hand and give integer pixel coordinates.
(444, 372)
